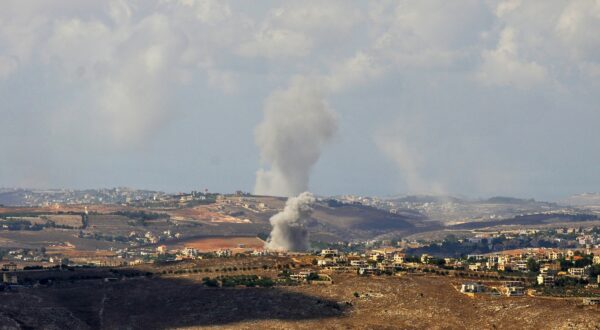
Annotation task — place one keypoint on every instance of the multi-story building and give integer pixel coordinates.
(472, 288)
(399, 258)
(577, 271)
(546, 279)
(329, 253)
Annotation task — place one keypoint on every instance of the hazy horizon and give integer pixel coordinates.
(388, 196)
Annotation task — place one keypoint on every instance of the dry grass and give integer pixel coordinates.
(215, 243)
(71, 220)
(388, 302)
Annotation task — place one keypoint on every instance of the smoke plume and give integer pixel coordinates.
(297, 124)
(408, 160)
(288, 233)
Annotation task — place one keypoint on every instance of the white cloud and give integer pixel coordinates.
(317, 18)
(277, 43)
(126, 58)
(122, 64)
(362, 68)
(502, 66)
(508, 6)
(7, 66)
(82, 48)
(295, 29)
(208, 11)
(222, 80)
(550, 42)
(127, 68)
(577, 29)
(120, 11)
(427, 34)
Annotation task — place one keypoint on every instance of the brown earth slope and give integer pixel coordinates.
(410, 302)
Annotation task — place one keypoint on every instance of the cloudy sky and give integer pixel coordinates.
(478, 98)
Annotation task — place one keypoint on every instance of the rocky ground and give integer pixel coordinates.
(409, 302)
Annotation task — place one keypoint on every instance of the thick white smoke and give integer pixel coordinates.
(288, 233)
(297, 124)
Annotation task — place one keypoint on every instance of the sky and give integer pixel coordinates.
(471, 98)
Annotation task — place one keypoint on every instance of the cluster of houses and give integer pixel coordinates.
(241, 201)
(588, 237)
(507, 288)
(188, 253)
(149, 237)
(548, 260)
(389, 260)
(550, 272)
(26, 255)
(547, 265)
(310, 276)
(379, 260)
(375, 262)
(77, 197)
(133, 238)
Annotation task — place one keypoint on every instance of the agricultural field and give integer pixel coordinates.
(50, 237)
(70, 220)
(207, 244)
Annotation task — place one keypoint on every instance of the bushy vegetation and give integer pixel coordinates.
(141, 217)
(15, 224)
(334, 203)
(451, 246)
(585, 260)
(238, 280)
(532, 265)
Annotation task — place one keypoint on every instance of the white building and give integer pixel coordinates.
(329, 253)
(576, 271)
(546, 279)
(471, 288)
(399, 258)
(190, 252)
(358, 263)
(224, 253)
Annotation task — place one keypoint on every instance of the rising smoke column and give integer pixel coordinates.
(297, 124)
(288, 233)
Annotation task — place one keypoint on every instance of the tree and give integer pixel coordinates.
(565, 264)
(594, 271)
(585, 261)
(210, 282)
(532, 265)
(312, 277)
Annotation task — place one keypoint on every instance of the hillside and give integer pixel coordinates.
(408, 302)
(591, 200)
(329, 223)
(527, 220)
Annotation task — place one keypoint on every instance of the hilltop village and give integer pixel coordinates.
(573, 272)
(330, 284)
(200, 245)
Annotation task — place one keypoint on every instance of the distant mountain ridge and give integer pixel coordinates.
(453, 199)
(586, 199)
